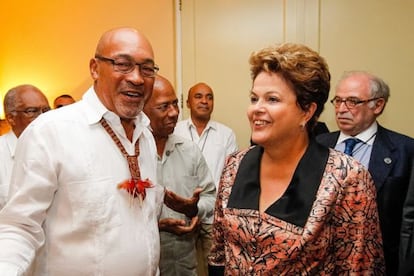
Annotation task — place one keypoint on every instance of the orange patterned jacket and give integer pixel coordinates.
(326, 222)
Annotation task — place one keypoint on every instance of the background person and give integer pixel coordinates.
(181, 169)
(84, 198)
(63, 100)
(216, 141)
(290, 206)
(22, 104)
(360, 98)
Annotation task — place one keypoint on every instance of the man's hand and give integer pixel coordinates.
(186, 206)
(178, 226)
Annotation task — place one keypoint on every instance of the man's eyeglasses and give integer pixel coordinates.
(350, 102)
(126, 65)
(32, 112)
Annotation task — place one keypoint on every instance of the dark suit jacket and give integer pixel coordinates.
(391, 167)
(320, 128)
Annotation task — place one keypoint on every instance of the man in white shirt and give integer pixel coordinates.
(22, 104)
(216, 141)
(84, 198)
(182, 169)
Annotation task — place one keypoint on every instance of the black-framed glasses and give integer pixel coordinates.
(126, 65)
(32, 112)
(350, 102)
(166, 106)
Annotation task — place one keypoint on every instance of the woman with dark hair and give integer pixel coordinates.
(289, 206)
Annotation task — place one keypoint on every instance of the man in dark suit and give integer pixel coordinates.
(359, 99)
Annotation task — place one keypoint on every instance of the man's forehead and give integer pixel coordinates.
(353, 87)
(203, 92)
(125, 42)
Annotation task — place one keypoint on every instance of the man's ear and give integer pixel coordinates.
(10, 119)
(379, 106)
(93, 68)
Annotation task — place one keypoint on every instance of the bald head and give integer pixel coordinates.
(115, 39)
(22, 104)
(63, 100)
(161, 85)
(199, 86)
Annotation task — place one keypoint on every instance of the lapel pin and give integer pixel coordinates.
(387, 160)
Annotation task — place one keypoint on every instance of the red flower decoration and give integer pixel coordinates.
(136, 187)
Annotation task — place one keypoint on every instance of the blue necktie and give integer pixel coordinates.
(349, 145)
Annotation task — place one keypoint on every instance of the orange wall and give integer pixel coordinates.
(49, 43)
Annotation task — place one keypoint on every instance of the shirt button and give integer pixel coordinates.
(251, 269)
(253, 240)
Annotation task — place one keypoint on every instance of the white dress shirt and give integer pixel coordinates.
(65, 211)
(8, 143)
(216, 142)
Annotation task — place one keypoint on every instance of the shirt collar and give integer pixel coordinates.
(11, 140)
(365, 135)
(170, 146)
(211, 124)
(301, 191)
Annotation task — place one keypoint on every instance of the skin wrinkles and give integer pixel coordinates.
(123, 94)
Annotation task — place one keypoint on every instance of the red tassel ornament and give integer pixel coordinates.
(136, 187)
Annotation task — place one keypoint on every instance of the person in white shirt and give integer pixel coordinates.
(22, 104)
(181, 169)
(216, 141)
(84, 198)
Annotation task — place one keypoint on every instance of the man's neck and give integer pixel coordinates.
(129, 126)
(160, 142)
(200, 124)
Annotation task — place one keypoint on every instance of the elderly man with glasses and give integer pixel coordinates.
(22, 104)
(360, 98)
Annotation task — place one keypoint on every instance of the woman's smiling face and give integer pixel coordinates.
(273, 113)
